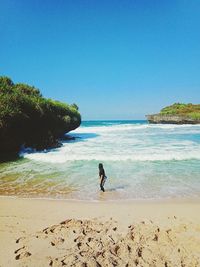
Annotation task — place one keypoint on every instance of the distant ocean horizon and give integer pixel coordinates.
(142, 161)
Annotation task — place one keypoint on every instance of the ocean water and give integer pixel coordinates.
(141, 160)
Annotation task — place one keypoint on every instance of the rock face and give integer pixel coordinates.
(171, 119)
(177, 113)
(27, 119)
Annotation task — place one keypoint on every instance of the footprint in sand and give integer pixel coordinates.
(23, 253)
(101, 244)
(57, 241)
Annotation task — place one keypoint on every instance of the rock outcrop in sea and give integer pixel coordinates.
(177, 113)
(171, 119)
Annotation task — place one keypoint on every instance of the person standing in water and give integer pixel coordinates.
(102, 176)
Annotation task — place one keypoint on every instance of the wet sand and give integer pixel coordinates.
(37, 232)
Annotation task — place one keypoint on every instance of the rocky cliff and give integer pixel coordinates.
(178, 113)
(28, 119)
(171, 119)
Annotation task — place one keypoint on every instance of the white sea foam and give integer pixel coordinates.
(62, 158)
(127, 142)
(134, 127)
(141, 161)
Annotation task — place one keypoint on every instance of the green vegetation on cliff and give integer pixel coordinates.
(188, 110)
(27, 118)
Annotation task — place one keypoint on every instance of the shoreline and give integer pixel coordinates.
(21, 217)
(14, 200)
(130, 201)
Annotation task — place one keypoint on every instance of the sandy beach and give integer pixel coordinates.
(72, 233)
(100, 133)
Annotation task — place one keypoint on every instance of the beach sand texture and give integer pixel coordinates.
(63, 233)
(90, 243)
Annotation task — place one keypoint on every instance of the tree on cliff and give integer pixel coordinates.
(27, 118)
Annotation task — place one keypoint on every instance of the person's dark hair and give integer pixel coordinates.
(100, 166)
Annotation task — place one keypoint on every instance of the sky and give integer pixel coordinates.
(116, 59)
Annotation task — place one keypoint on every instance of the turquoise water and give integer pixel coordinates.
(141, 161)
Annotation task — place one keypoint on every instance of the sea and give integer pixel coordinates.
(142, 162)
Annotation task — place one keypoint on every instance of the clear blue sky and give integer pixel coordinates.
(116, 59)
